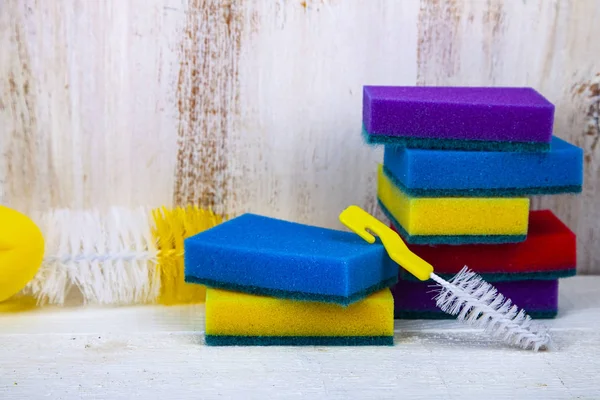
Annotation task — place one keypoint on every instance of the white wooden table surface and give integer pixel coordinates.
(158, 352)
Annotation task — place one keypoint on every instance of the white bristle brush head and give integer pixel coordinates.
(109, 257)
(479, 304)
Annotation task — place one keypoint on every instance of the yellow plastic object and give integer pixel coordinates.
(240, 314)
(171, 227)
(451, 216)
(358, 220)
(21, 251)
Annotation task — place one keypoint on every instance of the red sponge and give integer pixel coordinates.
(550, 252)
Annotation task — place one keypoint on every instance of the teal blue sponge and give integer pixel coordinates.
(453, 144)
(218, 340)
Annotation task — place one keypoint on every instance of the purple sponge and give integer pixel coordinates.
(415, 299)
(476, 118)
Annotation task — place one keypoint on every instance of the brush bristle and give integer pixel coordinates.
(109, 257)
(118, 257)
(479, 304)
(170, 228)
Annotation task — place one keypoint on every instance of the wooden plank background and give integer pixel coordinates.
(256, 105)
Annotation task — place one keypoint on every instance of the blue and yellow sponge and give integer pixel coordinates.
(239, 319)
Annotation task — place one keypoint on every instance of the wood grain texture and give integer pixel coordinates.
(158, 352)
(298, 152)
(89, 112)
(542, 44)
(256, 105)
(208, 101)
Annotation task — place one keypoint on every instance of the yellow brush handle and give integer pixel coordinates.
(21, 251)
(358, 220)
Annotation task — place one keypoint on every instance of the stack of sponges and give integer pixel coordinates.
(275, 282)
(459, 165)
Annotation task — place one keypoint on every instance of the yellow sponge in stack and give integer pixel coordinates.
(240, 319)
(453, 220)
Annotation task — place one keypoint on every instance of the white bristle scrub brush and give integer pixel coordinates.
(106, 258)
(466, 296)
(118, 256)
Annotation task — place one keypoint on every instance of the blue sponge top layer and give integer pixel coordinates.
(263, 252)
(432, 170)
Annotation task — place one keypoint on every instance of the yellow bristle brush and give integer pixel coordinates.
(118, 257)
(171, 227)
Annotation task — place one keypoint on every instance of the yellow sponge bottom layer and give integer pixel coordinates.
(453, 215)
(241, 314)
